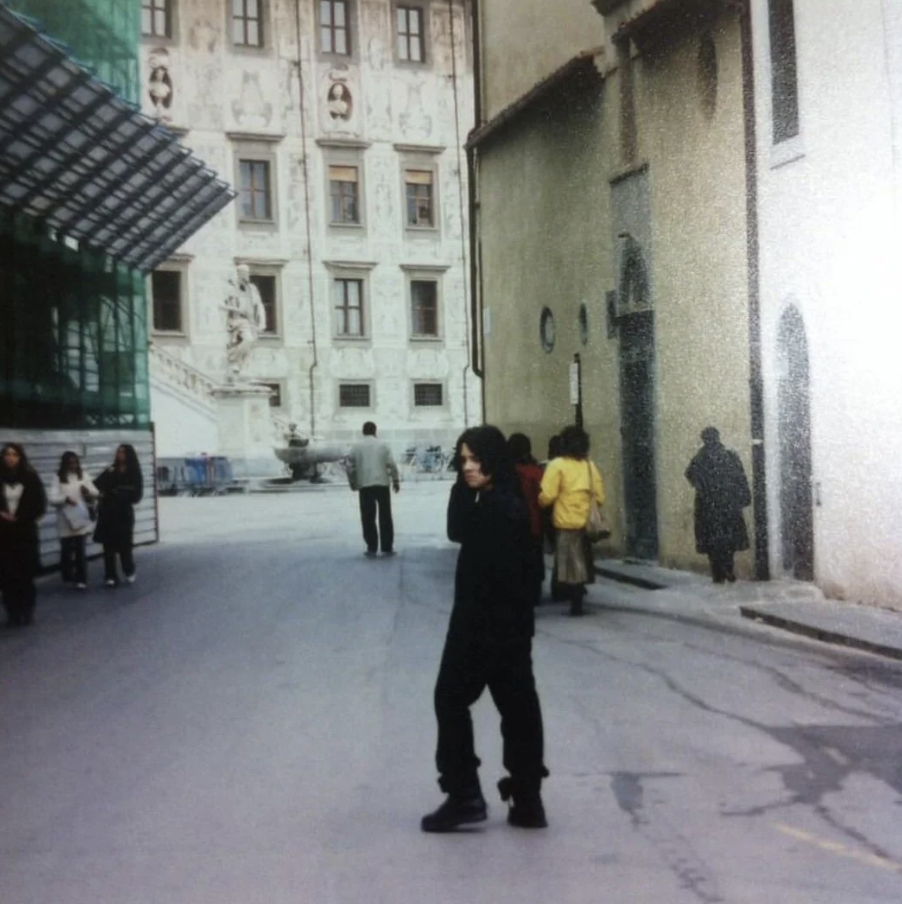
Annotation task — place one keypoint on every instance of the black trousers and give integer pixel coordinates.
(73, 564)
(123, 548)
(371, 500)
(467, 668)
(721, 559)
(18, 566)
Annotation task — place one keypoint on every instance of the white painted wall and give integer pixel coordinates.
(222, 94)
(831, 243)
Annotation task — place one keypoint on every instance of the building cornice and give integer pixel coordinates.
(356, 143)
(420, 148)
(271, 137)
(350, 265)
(425, 268)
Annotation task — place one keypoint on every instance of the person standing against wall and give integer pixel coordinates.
(721, 493)
(22, 505)
(121, 487)
(371, 470)
(71, 492)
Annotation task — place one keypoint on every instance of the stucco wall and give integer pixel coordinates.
(527, 41)
(830, 246)
(548, 239)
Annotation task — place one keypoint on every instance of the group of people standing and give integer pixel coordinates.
(103, 507)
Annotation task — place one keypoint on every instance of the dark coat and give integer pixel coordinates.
(21, 536)
(492, 591)
(721, 493)
(119, 493)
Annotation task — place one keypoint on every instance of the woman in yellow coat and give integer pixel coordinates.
(569, 482)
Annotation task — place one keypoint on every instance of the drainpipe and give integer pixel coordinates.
(756, 383)
(476, 341)
(460, 199)
(308, 226)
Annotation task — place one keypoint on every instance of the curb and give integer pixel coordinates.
(821, 634)
(634, 579)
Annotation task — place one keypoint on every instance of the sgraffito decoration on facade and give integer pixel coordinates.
(251, 108)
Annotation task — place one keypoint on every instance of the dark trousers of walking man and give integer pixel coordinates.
(372, 499)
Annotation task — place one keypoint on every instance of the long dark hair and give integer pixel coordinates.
(64, 469)
(487, 443)
(22, 469)
(520, 448)
(132, 466)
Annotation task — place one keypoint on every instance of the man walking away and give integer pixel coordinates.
(371, 469)
(721, 493)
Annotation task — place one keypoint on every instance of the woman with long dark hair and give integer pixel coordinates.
(489, 640)
(121, 487)
(71, 494)
(22, 504)
(569, 482)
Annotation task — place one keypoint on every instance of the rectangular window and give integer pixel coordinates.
(334, 27)
(409, 20)
(424, 307)
(247, 22)
(348, 307)
(275, 400)
(343, 190)
(166, 289)
(155, 19)
(428, 395)
(784, 72)
(420, 202)
(354, 395)
(266, 286)
(256, 195)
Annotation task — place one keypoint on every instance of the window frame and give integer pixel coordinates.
(253, 149)
(153, 7)
(371, 400)
(350, 29)
(414, 273)
(260, 19)
(426, 56)
(268, 269)
(785, 119)
(345, 157)
(362, 306)
(279, 387)
(415, 384)
(181, 269)
(350, 270)
(420, 158)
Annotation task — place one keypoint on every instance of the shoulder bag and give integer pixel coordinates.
(597, 527)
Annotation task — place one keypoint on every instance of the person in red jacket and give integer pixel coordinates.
(529, 473)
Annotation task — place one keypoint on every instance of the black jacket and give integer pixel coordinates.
(22, 534)
(492, 594)
(721, 493)
(119, 493)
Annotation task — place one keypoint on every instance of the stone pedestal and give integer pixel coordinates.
(245, 429)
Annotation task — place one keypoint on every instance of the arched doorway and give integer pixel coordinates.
(794, 404)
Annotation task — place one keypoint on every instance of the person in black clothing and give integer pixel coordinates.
(721, 493)
(489, 640)
(22, 504)
(121, 487)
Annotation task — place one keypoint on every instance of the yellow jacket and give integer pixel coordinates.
(566, 485)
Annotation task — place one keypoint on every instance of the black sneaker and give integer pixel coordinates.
(371, 554)
(454, 812)
(528, 813)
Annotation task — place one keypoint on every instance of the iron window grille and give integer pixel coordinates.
(428, 395)
(354, 395)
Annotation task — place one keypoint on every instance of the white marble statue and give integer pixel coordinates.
(246, 319)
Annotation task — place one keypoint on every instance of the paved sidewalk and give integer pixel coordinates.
(789, 605)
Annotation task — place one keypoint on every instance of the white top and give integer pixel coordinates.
(72, 520)
(13, 494)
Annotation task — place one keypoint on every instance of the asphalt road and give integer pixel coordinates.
(251, 723)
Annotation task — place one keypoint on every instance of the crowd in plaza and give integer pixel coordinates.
(505, 510)
(103, 507)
